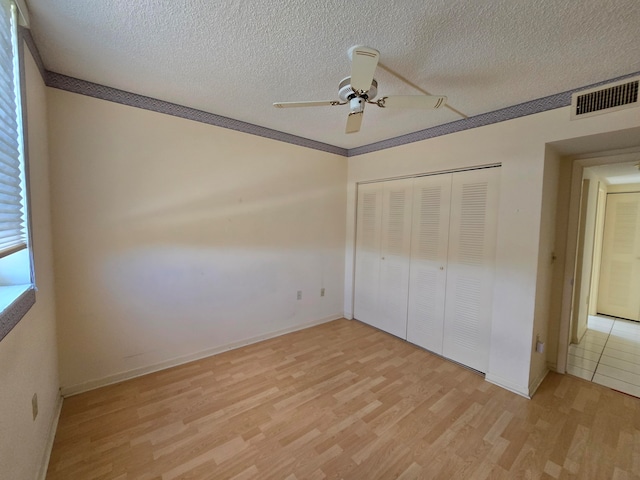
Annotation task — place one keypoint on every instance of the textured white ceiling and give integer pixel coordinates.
(235, 58)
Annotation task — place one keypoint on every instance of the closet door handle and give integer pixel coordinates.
(441, 268)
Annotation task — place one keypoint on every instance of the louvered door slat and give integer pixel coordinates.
(429, 242)
(469, 286)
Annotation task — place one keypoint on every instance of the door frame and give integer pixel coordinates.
(601, 205)
(579, 264)
(578, 164)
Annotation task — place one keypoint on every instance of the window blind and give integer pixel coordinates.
(12, 219)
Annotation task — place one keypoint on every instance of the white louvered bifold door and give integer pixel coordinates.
(429, 242)
(395, 252)
(619, 290)
(472, 240)
(368, 241)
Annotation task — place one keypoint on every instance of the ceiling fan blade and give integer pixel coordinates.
(364, 61)
(412, 101)
(305, 104)
(354, 120)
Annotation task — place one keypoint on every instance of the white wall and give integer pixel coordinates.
(174, 238)
(560, 217)
(28, 354)
(547, 264)
(519, 145)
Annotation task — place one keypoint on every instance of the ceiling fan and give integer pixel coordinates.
(361, 88)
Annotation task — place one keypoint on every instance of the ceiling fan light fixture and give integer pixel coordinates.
(361, 88)
(356, 105)
(346, 93)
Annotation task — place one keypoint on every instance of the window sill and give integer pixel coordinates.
(15, 302)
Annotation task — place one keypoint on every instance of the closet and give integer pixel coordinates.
(425, 250)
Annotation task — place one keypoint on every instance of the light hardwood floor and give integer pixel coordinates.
(342, 400)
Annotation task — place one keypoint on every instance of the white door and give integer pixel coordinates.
(429, 245)
(472, 240)
(368, 241)
(382, 255)
(619, 292)
(395, 256)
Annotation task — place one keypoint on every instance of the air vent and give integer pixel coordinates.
(605, 99)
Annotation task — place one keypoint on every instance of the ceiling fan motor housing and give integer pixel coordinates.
(346, 93)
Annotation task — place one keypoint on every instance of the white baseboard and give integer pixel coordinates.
(536, 382)
(50, 439)
(508, 385)
(138, 372)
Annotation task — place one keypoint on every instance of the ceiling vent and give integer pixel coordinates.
(605, 98)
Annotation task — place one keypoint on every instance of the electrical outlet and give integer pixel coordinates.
(34, 405)
(299, 294)
(322, 292)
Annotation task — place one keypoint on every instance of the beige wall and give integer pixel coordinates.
(626, 188)
(174, 239)
(519, 145)
(28, 357)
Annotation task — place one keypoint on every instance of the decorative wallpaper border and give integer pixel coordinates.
(509, 113)
(83, 87)
(70, 84)
(14, 312)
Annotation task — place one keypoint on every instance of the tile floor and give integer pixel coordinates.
(609, 354)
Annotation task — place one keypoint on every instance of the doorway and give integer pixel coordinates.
(605, 333)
